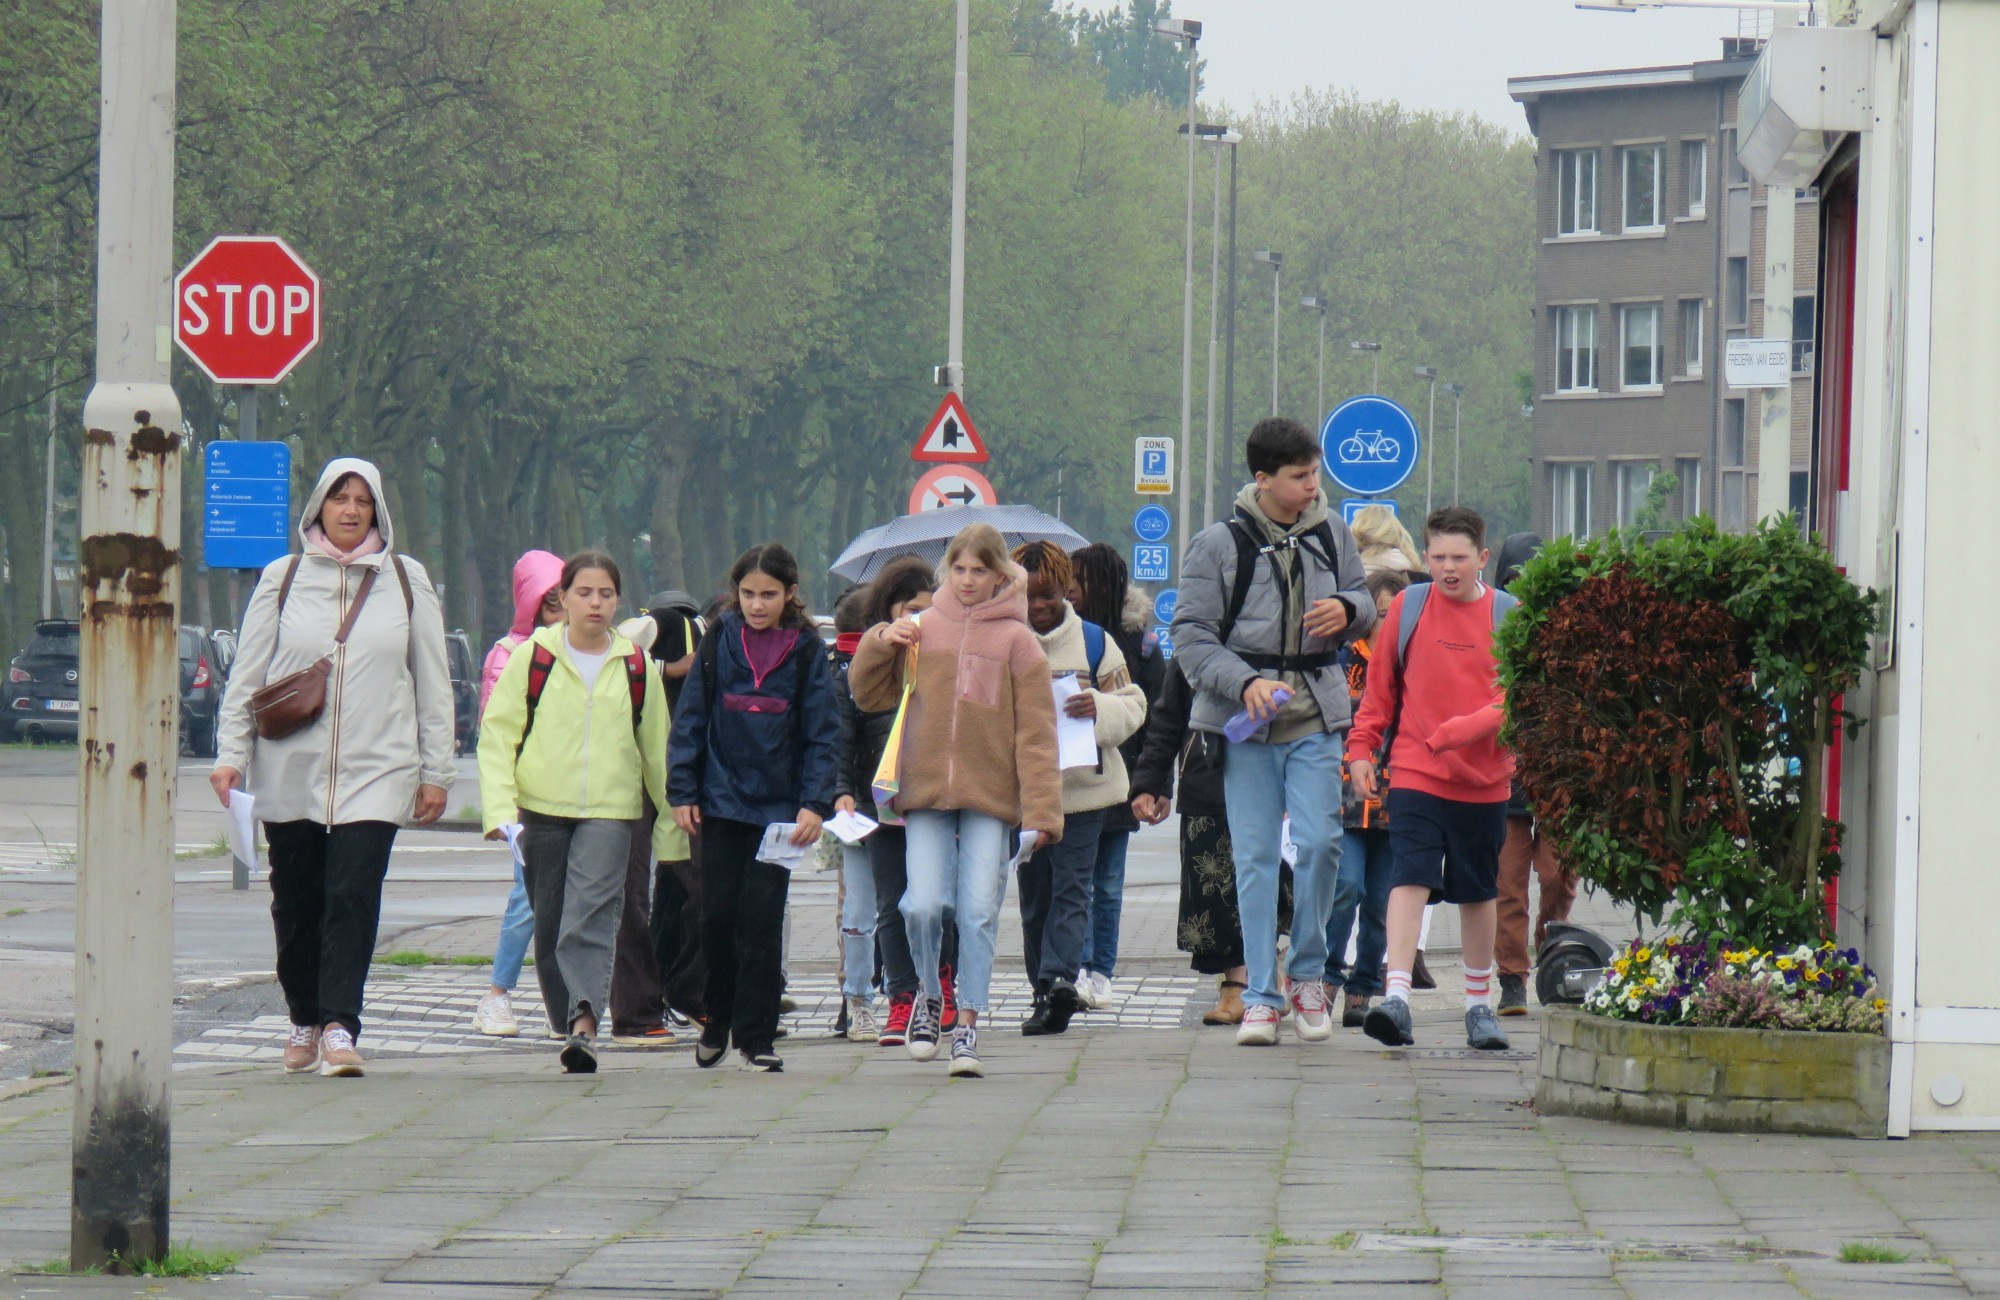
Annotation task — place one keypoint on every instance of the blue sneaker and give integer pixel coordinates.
(1482, 1030)
(1388, 1023)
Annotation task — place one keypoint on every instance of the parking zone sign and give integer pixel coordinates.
(1152, 466)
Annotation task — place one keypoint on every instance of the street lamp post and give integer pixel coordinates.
(1314, 303)
(953, 374)
(1189, 30)
(1430, 428)
(1456, 391)
(1375, 349)
(1276, 261)
(1218, 135)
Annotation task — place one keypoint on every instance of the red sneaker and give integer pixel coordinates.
(949, 1020)
(896, 1032)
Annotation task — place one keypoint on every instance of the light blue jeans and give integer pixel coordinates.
(857, 923)
(957, 859)
(1107, 903)
(517, 931)
(1262, 783)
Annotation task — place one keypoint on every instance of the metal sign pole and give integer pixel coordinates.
(129, 585)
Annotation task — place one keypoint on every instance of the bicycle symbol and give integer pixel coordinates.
(1366, 445)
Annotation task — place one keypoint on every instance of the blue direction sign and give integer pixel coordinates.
(1152, 524)
(1370, 445)
(1151, 563)
(1165, 636)
(1351, 507)
(246, 513)
(1165, 604)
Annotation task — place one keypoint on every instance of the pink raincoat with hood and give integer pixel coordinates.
(535, 574)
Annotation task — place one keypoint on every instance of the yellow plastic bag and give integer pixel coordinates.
(887, 783)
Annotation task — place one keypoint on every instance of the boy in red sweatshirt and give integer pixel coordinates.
(1434, 696)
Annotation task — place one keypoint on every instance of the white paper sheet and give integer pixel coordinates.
(777, 847)
(1076, 738)
(852, 827)
(511, 832)
(1288, 852)
(240, 827)
(1029, 840)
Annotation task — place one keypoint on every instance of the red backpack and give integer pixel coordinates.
(543, 661)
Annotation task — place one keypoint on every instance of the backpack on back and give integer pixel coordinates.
(542, 661)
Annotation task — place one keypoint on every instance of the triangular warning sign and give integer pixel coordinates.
(950, 436)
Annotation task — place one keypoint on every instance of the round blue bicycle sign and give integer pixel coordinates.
(1370, 445)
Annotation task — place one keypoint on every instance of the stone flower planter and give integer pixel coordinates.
(1732, 1080)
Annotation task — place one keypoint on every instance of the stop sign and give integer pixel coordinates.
(246, 309)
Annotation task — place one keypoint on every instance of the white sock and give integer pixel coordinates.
(1399, 987)
(1478, 983)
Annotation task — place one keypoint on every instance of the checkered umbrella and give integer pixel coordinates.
(929, 532)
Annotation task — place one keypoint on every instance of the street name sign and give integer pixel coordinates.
(246, 309)
(1757, 363)
(1370, 445)
(246, 511)
(951, 485)
(1152, 466)
(950, 438)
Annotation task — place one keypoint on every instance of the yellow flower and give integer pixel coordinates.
(1881, 1004)
(1644, 954)
(1784, 963)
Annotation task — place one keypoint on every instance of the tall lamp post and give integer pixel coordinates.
(951, 375)
(1276, 261)
(1218, 135)
(1374, 349)
(1430, 429)
(1189, 30)
(1456, 391)
(1314, 303)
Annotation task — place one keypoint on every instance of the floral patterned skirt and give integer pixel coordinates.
(1211, 928)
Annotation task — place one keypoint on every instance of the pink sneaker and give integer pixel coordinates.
(1259, 1027)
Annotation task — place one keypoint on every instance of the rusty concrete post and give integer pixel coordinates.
(129, 584)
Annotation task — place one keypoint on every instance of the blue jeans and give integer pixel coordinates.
(857, 922)
(1363, 888)
(956, 858)
(1261, 783)
(517, 931)
(1107, 903)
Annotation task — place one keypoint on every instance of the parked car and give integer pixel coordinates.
(205, 657)
(41, 690)
(464, 690)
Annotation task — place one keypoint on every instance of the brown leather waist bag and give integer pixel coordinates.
(295, 701)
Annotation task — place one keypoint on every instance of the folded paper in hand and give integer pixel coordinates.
(1076, 738)
(1029, 839)
(240, 828)
(777, 847)
(852, 827)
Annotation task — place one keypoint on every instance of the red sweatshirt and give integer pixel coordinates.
(1448, 695)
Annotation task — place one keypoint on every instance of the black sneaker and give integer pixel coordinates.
(1063, 1003)
(965, 1054)
(1037, 1022)
(1513, 995)
(764, 1059)
(1483, 1031)
(1388, 1023)
(711, 1047)
(578, 1056)
(923, 1042)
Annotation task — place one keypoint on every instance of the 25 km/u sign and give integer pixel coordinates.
(246, 309)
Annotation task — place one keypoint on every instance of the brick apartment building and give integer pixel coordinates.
(1650, 253)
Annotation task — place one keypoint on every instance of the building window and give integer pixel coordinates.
(1629, 481)
(1688, 470)
(1644, 170)
(1694, 167)
(1802, 334)
(1639, 344)
(1800, 502)
(1576, 192)
(1736, 496)
(1569, 510)
(1734, 440)
(1692, 336)
(1736, 291)
(1576, 349)
(1737, 175)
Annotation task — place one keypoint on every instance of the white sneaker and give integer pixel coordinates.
(1086, 992)
(1100, 988)
(1259, 1027)
(861, 1026)
(495, 1016)
(1312, 1019)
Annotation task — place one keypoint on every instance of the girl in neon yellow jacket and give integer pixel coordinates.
(575, 734)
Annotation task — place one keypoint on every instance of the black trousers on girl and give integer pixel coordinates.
(326, 900)
(743, 928)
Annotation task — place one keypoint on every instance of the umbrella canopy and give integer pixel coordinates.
(928, 533)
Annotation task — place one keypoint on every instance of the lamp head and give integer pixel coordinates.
(1180, 29)
(1426, 372)
(1266, 257)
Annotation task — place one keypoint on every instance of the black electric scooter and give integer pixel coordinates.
(1569, 962)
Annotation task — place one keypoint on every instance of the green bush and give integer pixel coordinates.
(1671, 706)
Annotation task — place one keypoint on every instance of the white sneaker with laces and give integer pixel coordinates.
(861, 1026)
(1312, 1020)
(1086, 991)
(965, 1054)
(495, 1016)
(1259, 1027)
(1100, 988)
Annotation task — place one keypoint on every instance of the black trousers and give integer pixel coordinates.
(636, 1002)
(1055, 899)
(676, 933)
(743, 928)
(326, 901)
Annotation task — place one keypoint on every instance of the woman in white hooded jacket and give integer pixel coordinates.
(333, 793)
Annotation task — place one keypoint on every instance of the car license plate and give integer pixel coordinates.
(60, 706)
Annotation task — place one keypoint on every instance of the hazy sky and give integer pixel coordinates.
(1449, 55)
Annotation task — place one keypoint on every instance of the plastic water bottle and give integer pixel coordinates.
(1243, 726)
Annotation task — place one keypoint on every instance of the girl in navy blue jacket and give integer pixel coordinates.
(756, 740)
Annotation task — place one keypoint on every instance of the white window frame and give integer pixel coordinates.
(1627, 498)
(1565, 477)
(1626, 314)
(1569, 166)
(1694, 168)
(1626, 156)
(1694, 342)
(1570, 321)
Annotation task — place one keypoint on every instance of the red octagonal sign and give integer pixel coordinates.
(246, 309)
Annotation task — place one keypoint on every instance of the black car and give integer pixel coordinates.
(205, 656)
(464, 691)
(41, 692)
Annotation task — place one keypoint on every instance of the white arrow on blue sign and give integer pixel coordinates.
(1165, 604)
(1151, 563)
(1152, 524)
(246, 516)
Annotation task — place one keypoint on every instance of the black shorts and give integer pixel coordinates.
(1450, 847)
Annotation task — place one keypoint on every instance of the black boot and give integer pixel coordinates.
(1037, 1022)
(1063, 1002)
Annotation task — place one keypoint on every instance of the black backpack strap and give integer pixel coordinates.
(1247, 553)
(541, 660)
(709, 652)
(1246, 572)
